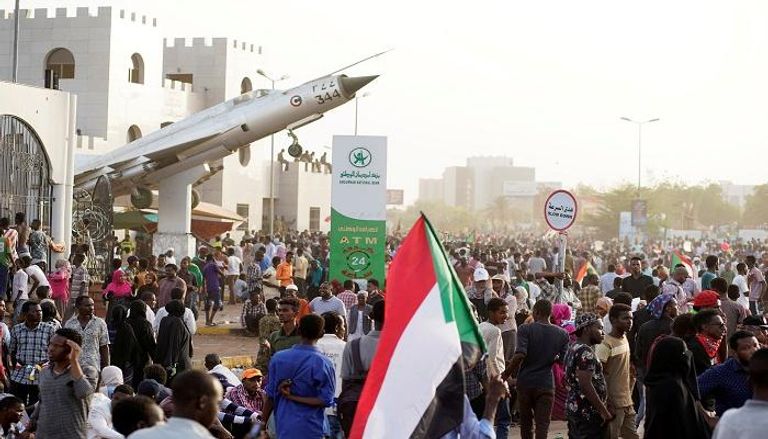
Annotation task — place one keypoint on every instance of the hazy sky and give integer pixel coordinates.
(544, 82)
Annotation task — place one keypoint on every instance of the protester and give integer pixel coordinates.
(29, 351)
(332, 346)
(99, 424)
(167, 284)
(136, 413)
(705, 345)
(636, 282)
(93, 330)
(301, 384)
(498, 312)
(749, 421)
(614, 354)
(214, 367)
(327, 302)
(189, 317)
(253, 310)
(248, 393)
(174, 341)
(356, 361)
(65, 389)
(11, 418)
(728, 383)
(539, 345)
(196, 397)
(358, 320)
(673, 409)
(586, 409)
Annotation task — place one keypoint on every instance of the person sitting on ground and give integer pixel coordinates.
(221, 372)
(100, 414)
(253, 310)
(11, 417)
(196, 397)
(136, 413)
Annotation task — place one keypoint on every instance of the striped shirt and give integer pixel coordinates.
(80, 280)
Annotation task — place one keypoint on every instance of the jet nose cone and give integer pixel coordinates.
(351, 85)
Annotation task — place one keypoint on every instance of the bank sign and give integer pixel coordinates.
(358, 207)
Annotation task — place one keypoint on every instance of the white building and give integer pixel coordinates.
(37, 146)
(130, 82)
(477, 185)
(736, 194)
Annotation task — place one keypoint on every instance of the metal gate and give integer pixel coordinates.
(92, 227)
(25, 184)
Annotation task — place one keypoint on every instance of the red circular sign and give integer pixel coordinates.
(560, 210)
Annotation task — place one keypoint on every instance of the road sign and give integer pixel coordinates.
(560, 210)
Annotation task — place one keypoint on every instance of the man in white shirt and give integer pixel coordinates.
(234, 266)
(740, 280)
(169, 258)
(214, 366)
(189, 316)
(537, 264)
(498, 312)
(196, 398)
(37, 278)
(20, 292)
(332, 346)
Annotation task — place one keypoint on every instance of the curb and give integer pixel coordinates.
(235, 362)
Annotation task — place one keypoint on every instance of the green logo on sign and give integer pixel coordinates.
(360, 157)
(358, 261)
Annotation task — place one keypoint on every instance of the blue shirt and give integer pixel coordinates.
(471, 427)
(728, 383)
(706, 280)
(313, 376)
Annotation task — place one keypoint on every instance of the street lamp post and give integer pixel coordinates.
(639, 145)
(357, 98)
(271, 162)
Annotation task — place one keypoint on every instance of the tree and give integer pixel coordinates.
(756, 208)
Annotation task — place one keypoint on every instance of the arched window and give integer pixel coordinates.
(134, 133)
(245, 85)
(136, 73)
(61, 62)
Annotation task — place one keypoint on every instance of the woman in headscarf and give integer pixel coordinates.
(673, 409)
(117, 292)
(123, 343)
(145, 347)
(59, 281)
(174, 342)
(663, 310)
(110, 377)
(561, 317)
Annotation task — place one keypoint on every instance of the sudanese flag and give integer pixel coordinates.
(415, 386)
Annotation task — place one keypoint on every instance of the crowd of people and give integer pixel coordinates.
(659, 339)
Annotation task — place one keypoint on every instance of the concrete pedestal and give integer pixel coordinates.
(174, 213)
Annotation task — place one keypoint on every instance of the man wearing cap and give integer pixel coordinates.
(706, 299)
(327, 302)
(169, 258)
(292, 292)
(249, 393)
(480, 292)
(586, 408)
